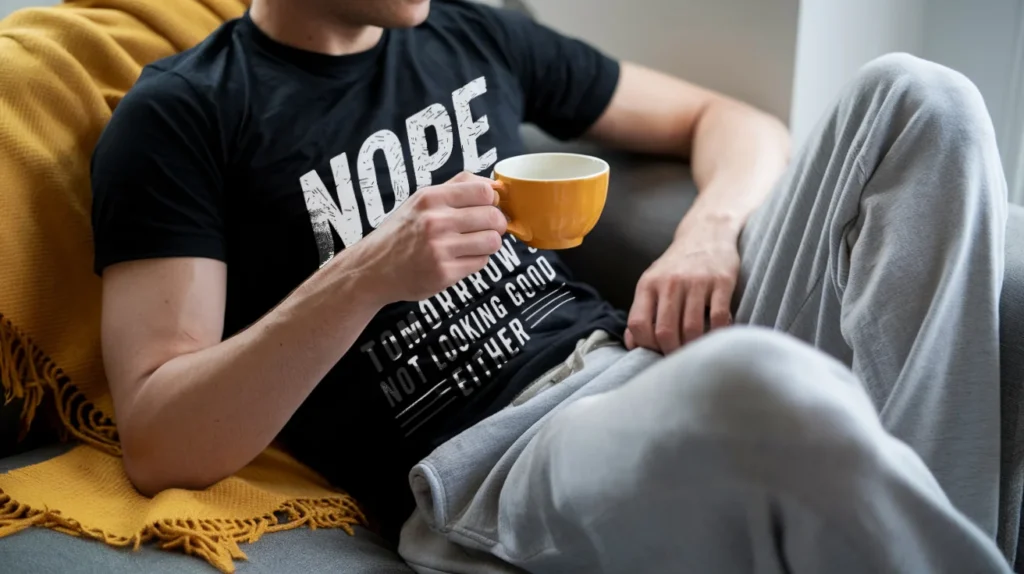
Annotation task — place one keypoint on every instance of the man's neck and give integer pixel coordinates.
(299, 25)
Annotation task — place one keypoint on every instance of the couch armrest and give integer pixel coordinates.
(646, 198)
(1012, 303)
(299, 550)
(1011, 341)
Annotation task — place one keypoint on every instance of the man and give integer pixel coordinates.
(246, 301)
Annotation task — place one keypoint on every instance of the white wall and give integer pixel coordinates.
(836, 38)
(979, 38)
(744, 48)
(984, 39)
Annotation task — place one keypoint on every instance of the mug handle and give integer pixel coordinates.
(516, 228)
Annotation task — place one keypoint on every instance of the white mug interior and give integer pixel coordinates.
(551, 166)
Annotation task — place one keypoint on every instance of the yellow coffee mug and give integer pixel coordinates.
(552, 200)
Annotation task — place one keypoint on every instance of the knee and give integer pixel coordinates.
(927, 88)
(754, 406)
(749, 383)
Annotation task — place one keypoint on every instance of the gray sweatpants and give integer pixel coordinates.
(751, 450)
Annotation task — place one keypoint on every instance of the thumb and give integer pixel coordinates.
(630, 342)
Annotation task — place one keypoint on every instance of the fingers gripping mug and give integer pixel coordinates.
(552, 200)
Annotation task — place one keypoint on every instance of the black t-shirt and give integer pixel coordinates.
(274, 159)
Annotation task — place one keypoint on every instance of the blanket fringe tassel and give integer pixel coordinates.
(214, 540)
(25, 373)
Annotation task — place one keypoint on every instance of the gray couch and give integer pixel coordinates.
(648, 196)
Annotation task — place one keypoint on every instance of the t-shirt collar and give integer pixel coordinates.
(314, 62)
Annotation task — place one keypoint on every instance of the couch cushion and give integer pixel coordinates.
(325, 550)
(299, 550)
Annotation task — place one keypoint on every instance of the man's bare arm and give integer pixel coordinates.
(737, 153)
(193, 409)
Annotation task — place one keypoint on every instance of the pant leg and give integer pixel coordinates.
(747, 451)
(883, 246)
(458, 486)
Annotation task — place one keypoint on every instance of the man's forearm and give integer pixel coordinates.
(204, 415)
(737, 155)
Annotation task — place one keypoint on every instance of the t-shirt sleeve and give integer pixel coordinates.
(156, 179)
(567, 83)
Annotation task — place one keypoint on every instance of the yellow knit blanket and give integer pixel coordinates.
(62, 70)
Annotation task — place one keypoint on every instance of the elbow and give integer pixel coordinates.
(143, 472)
(153, 470)
(775, 129)
(772, 132)
(785, 140)
(145, 481)
(729, 105)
